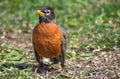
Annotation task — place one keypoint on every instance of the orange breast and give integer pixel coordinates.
(47, 39)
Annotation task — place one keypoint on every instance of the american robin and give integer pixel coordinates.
(49, 39)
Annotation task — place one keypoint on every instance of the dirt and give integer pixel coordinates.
(101, 65)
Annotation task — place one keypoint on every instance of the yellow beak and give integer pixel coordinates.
(40, 12)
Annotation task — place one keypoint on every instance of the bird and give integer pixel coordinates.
(48, 38)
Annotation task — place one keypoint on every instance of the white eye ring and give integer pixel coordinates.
(47, 12)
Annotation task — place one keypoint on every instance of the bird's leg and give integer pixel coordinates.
(54, 60)
(39, 59)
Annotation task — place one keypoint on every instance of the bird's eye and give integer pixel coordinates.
(47, 12)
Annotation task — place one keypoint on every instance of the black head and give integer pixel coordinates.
(46, 14)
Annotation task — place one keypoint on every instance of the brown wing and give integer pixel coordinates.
(63, 46)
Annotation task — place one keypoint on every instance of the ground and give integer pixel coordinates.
(93, 49)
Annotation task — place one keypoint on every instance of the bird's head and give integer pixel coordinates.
(46, 14)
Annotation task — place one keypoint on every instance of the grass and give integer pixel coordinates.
(90, 25)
